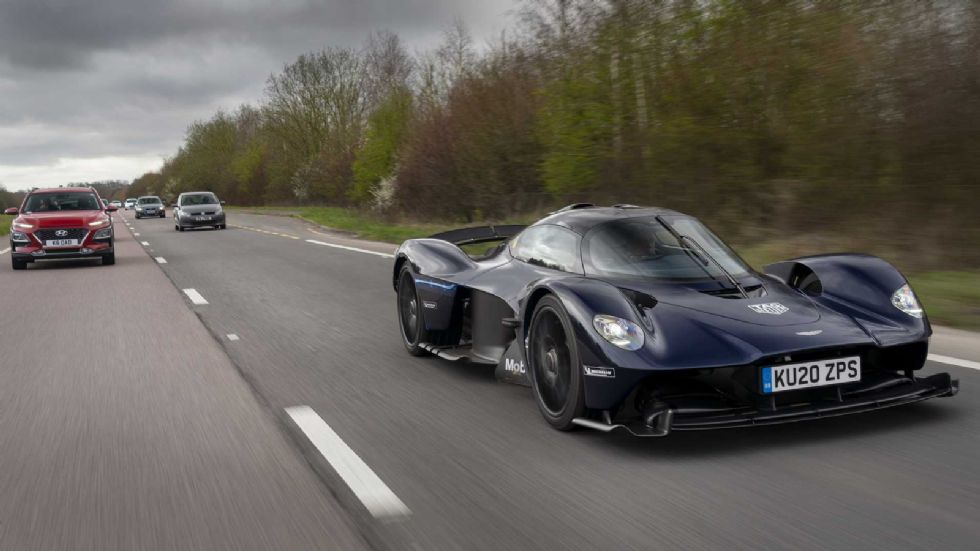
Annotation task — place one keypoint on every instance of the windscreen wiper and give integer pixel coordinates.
(728, 274)
(681, 239)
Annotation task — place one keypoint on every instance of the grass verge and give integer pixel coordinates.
(5, 224)
(363, 225)
(950, 297)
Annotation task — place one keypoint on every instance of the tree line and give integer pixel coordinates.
(765, 117)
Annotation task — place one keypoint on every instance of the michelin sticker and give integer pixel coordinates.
(606, 372)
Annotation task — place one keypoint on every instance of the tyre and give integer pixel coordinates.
(18, 264)
(109, 259)
(554, 365)
(410, 314)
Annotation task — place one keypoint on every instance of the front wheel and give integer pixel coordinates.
(554, 365)
(18, 264)
(410, 314)
(109, 259)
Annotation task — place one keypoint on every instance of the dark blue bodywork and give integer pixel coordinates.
(845, 309)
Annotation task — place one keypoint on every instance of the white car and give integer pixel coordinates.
(130, 203)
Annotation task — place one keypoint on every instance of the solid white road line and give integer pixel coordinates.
(5, 251)
(953, 361)
(371, 490)
(161, 260)
(232, 337)
(195, 297)
(346, 248)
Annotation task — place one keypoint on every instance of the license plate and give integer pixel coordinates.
(203, 218)
(780, 378)
(61, 243)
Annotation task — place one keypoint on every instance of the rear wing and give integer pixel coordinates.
(479, 234)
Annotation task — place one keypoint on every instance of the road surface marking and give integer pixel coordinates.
(380, 501)
(346, 248)
(232, 337)
(136, 234)
(161, 260)
(195, 297)
(953, 361)
(145, 243)
(5, 251)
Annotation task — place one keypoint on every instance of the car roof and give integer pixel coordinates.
(148, 197)
(582, 217)
(62, 190)
(196, 192)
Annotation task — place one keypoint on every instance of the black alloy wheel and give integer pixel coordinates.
(556, 372)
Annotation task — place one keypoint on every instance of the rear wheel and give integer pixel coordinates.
(555, 368)
(410, 314)
(18, 264)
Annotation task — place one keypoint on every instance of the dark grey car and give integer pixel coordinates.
(150, 206)
(198, 209)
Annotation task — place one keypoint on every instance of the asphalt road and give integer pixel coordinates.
(315, 325)
(124, 425)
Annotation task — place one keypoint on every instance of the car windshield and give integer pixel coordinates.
(149, 200)
(645, 247)
(55, 202)
(198, 199)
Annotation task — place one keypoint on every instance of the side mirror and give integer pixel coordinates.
(111, 209)
(222, 202)
(11, 210)
(174, 206)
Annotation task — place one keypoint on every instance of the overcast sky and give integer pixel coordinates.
(104, 89)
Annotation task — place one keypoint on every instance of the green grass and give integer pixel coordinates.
(362, 225)
(5, 224)
(950, 298)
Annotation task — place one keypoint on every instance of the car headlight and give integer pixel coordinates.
(904, 299)
(139, 208)
(104, 233)
(99, 222)
(19, 237)
(23, 226)
(618, 331)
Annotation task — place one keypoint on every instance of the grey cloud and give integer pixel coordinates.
(90, 79)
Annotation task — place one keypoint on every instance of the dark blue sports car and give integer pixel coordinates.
(643, 319)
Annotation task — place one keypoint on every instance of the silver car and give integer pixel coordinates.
(198, 209)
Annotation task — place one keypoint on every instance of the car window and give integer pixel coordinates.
(198, 199)
(54, 202)
(646, 248)
(548, 246)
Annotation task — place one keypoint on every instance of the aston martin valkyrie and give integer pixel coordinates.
(642, 319)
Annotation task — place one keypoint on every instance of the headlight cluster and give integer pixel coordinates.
(98, 223)
(618, 331)
(19, 237)
(904, 299)
(23, 226)
(104, 233)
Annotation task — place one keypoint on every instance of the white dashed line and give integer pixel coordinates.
(195, 297)
(232, 337)
(5, 251)
(346, 248)
(145, 243)
(136, 234)
(161, 260)
(380, 501)
(953, 361)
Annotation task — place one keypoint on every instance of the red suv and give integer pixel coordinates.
(61, 223)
